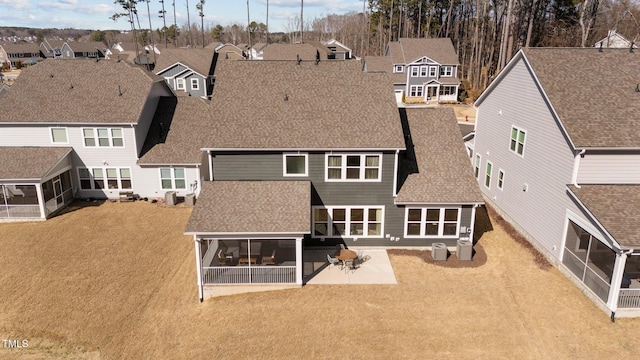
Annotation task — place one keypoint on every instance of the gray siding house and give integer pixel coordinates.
(188, 71)
(558, 157)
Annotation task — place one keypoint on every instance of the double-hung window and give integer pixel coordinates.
(399, 68)
(433, 71)
(446, 71)
(423, 71)
(195, 84)
(415, 90)
(352, 221)
(173, 178)
(414, 71)
(295, 165)
(105, 178)
(487, 176)
(180, 84)
(517, 140)
(432, 222)
(59, 136)
(103, 137)
(353, 167)
(476, 166)
(500, 179)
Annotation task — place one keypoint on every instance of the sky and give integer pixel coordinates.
(95, 14)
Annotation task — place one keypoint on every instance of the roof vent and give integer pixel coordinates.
(118, 59)
(298, 60)
(286, 97)
(51, 75)
(119, 91)
(631, 47)
(600, 50)
(637, 87)
(71, 87)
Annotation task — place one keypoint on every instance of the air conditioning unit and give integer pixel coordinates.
(439, 251)
(464, 250)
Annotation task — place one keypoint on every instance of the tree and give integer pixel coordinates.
(217, 32)
(98, 36)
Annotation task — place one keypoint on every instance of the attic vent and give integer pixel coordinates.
(51, 75)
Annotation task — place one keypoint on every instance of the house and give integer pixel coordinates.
(74, 49)
(340, 51)
(257, 51)
(19, 55)
(614, 40)
(230, 52)
(305, 51)
(427, 69)
(290, 175)
(52, 48)
(557, 152)
(87, 143)
(187, 70)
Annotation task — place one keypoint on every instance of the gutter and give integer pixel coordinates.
(576, 166)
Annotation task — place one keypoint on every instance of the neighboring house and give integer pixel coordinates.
(187, 70)
(52, 48)
(230, 52)
(257, 51)
(87, 142)
(339, 50)
(298, 177)
(307, 51)
(18, 55)
(74, 49)
(557, 153)
(427, 69)
(614, 40)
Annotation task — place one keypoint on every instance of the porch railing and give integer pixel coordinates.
(225, 275)
(19, 211)
(629, 298)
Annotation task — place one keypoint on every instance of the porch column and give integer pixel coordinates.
(41, 203)
(616, 281)
(299, 261)
(196, 243)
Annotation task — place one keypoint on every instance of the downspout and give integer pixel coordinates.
(618, 281)
(576, 166)
(210, 166)
(395, 175)
(196, 243)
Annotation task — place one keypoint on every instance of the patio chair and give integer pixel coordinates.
(332, 261)
(360, 254)
(224, 258)
(269, 260)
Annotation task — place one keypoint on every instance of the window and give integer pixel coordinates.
(476, 166)
(446, 71)
(399, 68)
(103, 137)
(348, 221)
(433, 71)
(500, 179)
(353, 167)
(517, 140)
(423, 71)
(294, 165)
(195, 84)
(487, 178)
(59, 135)
(173, 178)
(432, 222)
(414, 71)
(105, 178)
(447, 90)
(415, 90)
(180, 84)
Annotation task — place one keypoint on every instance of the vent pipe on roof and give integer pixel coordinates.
(298, 59)
(637, 87)
(71, 87)
(119, 91)
(286, 97)
(631, 47)
(600, 50)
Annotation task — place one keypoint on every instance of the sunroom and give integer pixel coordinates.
(35, 182)
(249, 233)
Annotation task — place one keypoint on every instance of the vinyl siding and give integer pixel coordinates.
(173, 71)
(546, 166)
(202, 86)
(609, 169)
(269, 166)
(146, 181)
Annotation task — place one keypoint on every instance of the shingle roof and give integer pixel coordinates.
(90, 46)
(444, 172)
(180, 128)
(594, 93)
(78, 91)
(21, 48)
(378, 64)
(279, 104)
(197, 59)
(29, 162)
(252, 207)
(407, 50)
(306, 51)
(617, 208)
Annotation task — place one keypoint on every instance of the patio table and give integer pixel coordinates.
(346, 257)
(246, 260)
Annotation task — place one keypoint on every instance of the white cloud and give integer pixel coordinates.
(16, 4)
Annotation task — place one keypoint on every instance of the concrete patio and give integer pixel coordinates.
(376, 270)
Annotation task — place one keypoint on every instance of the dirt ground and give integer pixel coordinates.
(116, 281)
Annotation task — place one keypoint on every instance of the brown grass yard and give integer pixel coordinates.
(118, 281)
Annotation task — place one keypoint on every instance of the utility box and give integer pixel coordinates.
(170, 198)
(464, 250)
(190, 199)
(439, 251)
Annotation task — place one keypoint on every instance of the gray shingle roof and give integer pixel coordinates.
(330, 105)
(306, 51)
(89, 46)
(252, 207)
(617, 208)
(78, 91)
(378, 64)
(21, 48)
(594, 93)
(197, 59)
(180, 128)
(29, 162)
(444, 172)
(407, 50)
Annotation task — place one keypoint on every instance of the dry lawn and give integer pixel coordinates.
(118, 281)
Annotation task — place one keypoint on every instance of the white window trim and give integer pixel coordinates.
(524, 143)
(477, 166)
(173, 178)
(446, 71)
(419, 90)
(417, 71)
(423, 222)
(347, 221)
(96, 137)
(398, 69)
(284, 164)
(196, 82)
(178, 87)
(104, 178)
(424, 71)
(65, 131)
(487, 184)
(500, 185)
(433, 71)
(343, 172)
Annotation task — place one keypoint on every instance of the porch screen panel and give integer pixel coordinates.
(21, 195)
